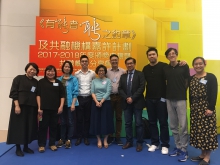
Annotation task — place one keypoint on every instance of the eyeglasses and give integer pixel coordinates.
(130, 63)
(172, 54)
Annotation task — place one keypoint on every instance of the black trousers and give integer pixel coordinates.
(49, 119)
(157, 111)
(83, 112)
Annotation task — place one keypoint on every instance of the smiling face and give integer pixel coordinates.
(101, 72)
(172, 56)
(114, 62)
(130, 65)
(199, 65)
(152, 57)
(31, 72)
(50, 74)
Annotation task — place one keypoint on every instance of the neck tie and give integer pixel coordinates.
(129, 84)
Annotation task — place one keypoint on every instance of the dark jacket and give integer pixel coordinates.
(137, 90)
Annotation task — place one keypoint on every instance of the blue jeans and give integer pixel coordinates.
(157, 111)
(66, 118)
(128, 115)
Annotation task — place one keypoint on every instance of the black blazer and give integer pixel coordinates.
(137, 90)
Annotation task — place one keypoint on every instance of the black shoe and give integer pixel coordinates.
(19, 153)
(118, 141)
(197, 158)
(110, 140)
(28, 150)
(86, 141)
(203, 162)
(78, 141)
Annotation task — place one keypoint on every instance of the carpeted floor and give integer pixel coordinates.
(91, 155)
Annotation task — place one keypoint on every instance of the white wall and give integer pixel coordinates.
(17, 32)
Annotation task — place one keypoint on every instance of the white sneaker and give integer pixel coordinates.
(152, 148)
(164, 150)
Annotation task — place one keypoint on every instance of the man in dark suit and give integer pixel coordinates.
(131, 88)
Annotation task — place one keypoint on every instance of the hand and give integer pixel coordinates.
(182, 63)
(60, 110)
(129, 100)
(72, 108)
(98, 104)
(40, 112)
(208, 112)
(17, 110)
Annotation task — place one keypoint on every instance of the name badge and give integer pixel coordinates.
(33, 89)
(114, 80)
(56, 84)
(203, 81)
(163, 99)
(104, 82)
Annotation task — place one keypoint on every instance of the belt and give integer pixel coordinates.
(84, 96)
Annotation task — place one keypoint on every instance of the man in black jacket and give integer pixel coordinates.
(131, 88)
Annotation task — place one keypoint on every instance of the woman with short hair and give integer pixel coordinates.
(50, 100)
(101, 111)
(23, 118)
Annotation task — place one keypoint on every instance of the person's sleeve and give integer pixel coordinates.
(75, 91)
(62, 90)
(187, 74)
(164, 72)
(14, 88)
(93, 87)
(108, 90)
(190, 93)
(212, 89)
(39, 88)
(140, 90)
(120, 88)
(143, 70)
(93, 76)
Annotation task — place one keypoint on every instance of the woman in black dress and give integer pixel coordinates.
(203, 88)
(23, 118)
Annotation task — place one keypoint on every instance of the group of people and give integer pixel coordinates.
(96, 99)
(166, 88)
